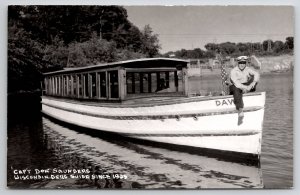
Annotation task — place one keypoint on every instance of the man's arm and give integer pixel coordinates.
(255, 74)
(255, 79)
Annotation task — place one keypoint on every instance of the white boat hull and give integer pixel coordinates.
(210, 123)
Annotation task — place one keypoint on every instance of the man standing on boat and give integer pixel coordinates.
(243, 79)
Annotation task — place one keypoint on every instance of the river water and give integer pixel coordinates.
(36, 143)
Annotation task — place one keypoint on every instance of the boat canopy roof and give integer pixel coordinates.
(136, 64)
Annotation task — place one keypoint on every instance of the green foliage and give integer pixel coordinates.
(128, 55)
(25, 61)
(187, 54)
(278, 46)
(267, 47)
(211, 46)
(56, 53)
(150, 41)
(49, 38)
(289, 43)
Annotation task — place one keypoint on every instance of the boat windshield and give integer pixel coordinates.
(154, 82)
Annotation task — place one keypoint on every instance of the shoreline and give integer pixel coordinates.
(217, 73)
(269, 65)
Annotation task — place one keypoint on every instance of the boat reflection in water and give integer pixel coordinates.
(143, 166)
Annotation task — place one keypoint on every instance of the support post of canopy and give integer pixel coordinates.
(122, 83)
(185, 82)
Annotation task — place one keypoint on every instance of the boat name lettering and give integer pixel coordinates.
(224, 102)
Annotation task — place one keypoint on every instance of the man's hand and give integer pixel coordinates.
(252, 85)
(249, 87)
(245, 90)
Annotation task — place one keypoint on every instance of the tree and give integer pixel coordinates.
(209, 54)
(243, 47)
(49, 38)
(56, 53)
(211, 46)
(256, 47)
(268, 45)
(289, 42)
(278, 46)
(198, 53)
(150, 42)
(228, 48)
(25, 61)
(74, 23)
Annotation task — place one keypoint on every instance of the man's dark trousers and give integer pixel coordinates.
(238, 94)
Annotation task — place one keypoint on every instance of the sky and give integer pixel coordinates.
(189, 27)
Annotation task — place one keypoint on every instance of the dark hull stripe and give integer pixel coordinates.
(190, 135)
(155, 117)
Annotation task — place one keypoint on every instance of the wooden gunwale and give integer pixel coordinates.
(147, 102)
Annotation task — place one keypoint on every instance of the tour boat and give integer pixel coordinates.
(149, 99)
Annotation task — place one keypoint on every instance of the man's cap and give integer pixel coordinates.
(242, 59)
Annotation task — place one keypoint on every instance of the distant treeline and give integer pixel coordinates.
(48, 38)
(267, 47)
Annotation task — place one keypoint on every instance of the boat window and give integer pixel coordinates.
(137, 83)
(74, 85)
(167, 77)
(102, 84)
(65, 86)
(113, 84)
(54, 82)
(174, 81)
(53, 85)
(144, 82)
(141, 79)
(149, 79)
(69, 85)
(179, 77)
(80, 91)
(93, 79)
(59, 85)
(86, 85)
(46, 86)
(130, 81)
(50, 86)
(161, 84)
(154, 82)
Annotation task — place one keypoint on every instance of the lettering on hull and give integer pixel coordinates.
(226, 102)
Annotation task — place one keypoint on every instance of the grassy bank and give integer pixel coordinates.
(270, 64)
(283, 63)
